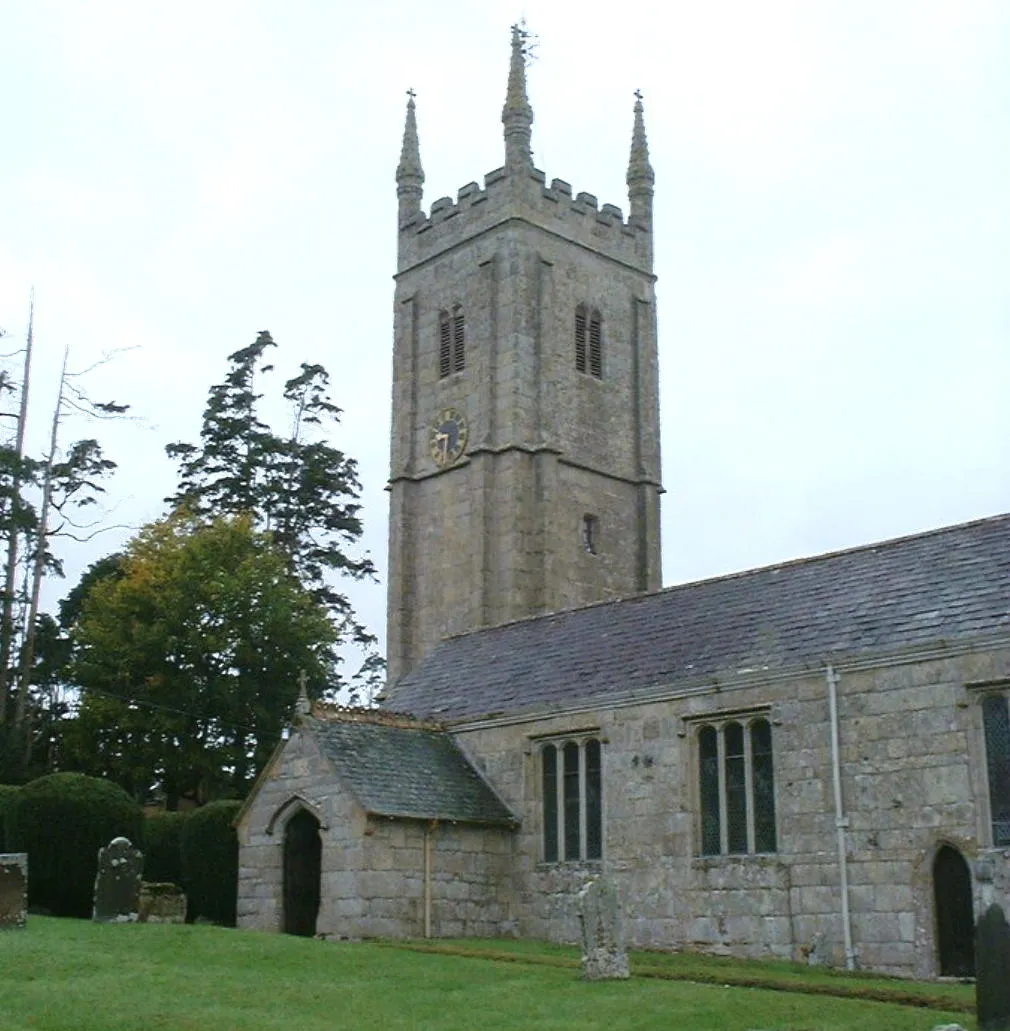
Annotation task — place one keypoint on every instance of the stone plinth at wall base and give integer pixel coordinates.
(161, 903)
(13, 890)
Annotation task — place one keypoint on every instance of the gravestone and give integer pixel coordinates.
(13, 889)
(117, 884)
(161, 903)
(604, 957)
(992, 971)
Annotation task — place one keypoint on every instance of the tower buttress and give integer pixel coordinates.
(517, 114)
(409, 174)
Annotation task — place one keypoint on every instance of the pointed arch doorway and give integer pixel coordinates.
(955, 920)
(303, 849)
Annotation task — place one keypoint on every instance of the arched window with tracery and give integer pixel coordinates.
(736, 786)
(572, 795)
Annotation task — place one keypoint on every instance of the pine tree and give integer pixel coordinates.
(295, 486)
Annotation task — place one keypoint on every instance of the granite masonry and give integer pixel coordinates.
(809, 761)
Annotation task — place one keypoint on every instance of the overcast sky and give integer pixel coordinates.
(832, 232)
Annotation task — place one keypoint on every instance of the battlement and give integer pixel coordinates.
(525, 197)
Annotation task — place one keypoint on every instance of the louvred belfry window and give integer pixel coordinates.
(580, 338)
(444, 345)
(588, 341)
(595, 346)
(451, 342)
(457, 341)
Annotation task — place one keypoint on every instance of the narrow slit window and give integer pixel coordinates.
(590, 534)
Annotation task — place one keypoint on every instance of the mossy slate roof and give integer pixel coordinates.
(410, 773)
(912, 592)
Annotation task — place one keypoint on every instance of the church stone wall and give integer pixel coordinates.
(913, 779)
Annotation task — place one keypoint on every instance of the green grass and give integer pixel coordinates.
(70, 975)
(692, 966)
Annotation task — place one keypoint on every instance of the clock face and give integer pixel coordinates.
(448, 436)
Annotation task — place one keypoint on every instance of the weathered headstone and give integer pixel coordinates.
(13, 889)
(992, 971)
(117, 884)
(162, 903)
(604, 957)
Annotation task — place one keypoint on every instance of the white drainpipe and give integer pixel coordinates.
(841, 820)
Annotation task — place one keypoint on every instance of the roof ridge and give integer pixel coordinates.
(887, 542)
(332, 712)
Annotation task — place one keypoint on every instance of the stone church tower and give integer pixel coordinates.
(525, 434)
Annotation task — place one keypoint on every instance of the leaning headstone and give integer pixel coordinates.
(604, 957)
(117, 884)
(13, 889)
(162, 903)
(992, 966)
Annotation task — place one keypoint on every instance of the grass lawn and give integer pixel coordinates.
(72, 975)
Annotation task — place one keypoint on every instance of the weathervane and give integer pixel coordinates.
(530, 41)
(411, 93)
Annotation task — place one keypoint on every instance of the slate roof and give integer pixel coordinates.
(409, 772)
(938, 586)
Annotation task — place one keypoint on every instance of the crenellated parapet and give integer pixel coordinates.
(525, 196)
(518, 192)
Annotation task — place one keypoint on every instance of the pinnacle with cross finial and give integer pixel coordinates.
(409, 174)
(517, 114)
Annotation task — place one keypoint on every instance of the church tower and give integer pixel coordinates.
(525, 434)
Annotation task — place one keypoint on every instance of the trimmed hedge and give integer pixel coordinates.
(7, 793)
(210, 862)
(61, 821)
(163, 847)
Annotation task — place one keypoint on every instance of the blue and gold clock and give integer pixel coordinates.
(448, 436)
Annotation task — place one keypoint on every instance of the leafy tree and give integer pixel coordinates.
(189, 658)
(297, 487)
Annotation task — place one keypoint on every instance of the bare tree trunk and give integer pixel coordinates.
(10, 569)
(28, 650)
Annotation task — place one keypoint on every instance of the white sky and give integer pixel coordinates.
(832, 224)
